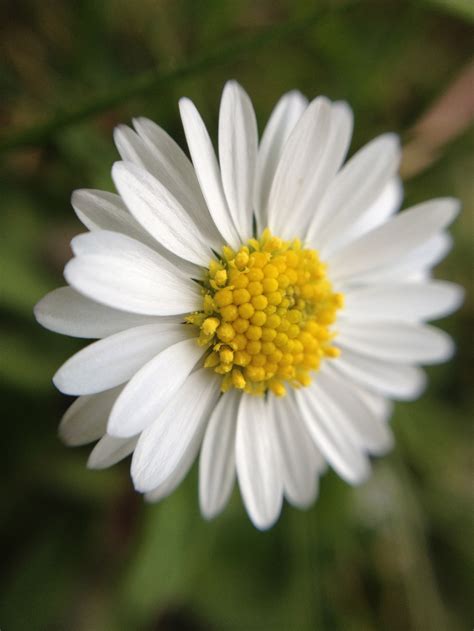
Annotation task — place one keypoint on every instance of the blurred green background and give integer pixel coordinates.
(79, 549)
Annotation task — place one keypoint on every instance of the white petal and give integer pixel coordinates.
(174, 480)
(403, 301)
(164, 444)
(408, 343)
(335, 150)
(110, 450)
(284, 117)
(238, 138)
(352, 413)
(355, 188)
(149, 392)
(415, 265)
(86, 419)
(387, 204)
(257, 462)
(65, 311)
(392, 241)
(124, 274)
(154, 150)
(298, 459)
(342, 454)
(207, 171)
(217, 460)
(101, 210)
(397, 381)
(173, 163)
(379, 405)
(293, 179)
(115, 359)
(155, 208)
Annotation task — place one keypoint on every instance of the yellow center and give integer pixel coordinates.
(267, 315)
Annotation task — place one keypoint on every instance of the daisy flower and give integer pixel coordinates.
(262, 307)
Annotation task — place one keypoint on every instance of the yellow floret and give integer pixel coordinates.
(267, 315)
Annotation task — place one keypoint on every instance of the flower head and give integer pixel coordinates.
(263, 307)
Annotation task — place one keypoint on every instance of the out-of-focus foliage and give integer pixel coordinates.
(80, 551)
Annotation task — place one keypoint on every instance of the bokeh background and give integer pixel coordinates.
(79, 549)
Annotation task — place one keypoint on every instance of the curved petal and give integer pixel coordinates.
(110, 450)
(355, 188)
(414, 266)
(387, 204)
(122, 273)
(294, 177)
(379, 405)
(403, 301)
(407, 343)
(162, 446)
(160, 214)
(101, 210)
(284, 117)
(65, 311)
(174, 479)
(258, 466)
(396, 381)
(347, 459)
(393, 240)
(153, 149)
(298, 456)
(207, 171)
(150, 390)
(217, 460)
(238, 139)
(86, 419)
(352, 414)
(335, 150)
(115, 359)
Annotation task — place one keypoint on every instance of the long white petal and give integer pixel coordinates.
(342, 454)
(299, 461)
(115, 359)
(207, 171)
(404, 342)
(238, 139)
(257, 462)
(335, 149)
(379, 405)
(110, 450)
(153, 149)
(160, 213)
(217, 460)
(122, 273)
(101, 210)
(397, 381)
(150, 390)
(163, 445)
(167, 487)
(65, 311)
(340, 234)
(284, 117)
(86, 419)
(355, 188)
(403, 301)
(294, 175)
(393, 240)
(352, 414)
(418, 262)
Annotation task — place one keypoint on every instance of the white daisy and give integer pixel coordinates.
(262, 308)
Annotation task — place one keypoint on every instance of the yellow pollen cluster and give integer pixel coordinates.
(267, 315)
